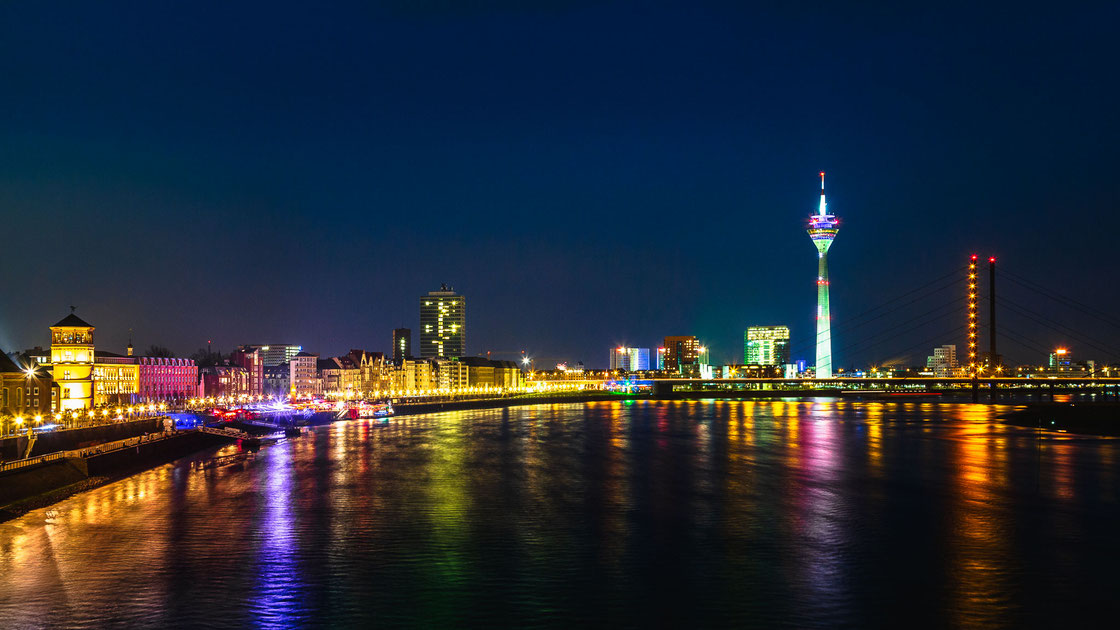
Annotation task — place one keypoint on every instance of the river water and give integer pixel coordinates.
(662, 514)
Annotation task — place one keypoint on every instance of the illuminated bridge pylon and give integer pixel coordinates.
(973, 360)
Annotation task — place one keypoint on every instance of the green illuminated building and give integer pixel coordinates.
(766, 345)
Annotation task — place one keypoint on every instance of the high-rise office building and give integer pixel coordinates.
(681, 353)
(943, 361)
(443, 324)
(1060, 358)
(766, 345)
(620, 359)
(402, 344)
(823, 229)
(629, 359)
(275, 354)
(639, 359)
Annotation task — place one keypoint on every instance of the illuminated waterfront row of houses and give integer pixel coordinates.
(81, 377)
(72, 375)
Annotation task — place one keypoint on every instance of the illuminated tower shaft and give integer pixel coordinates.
(824, 317)
(823, 229)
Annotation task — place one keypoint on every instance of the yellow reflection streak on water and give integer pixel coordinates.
(980, 545)
(873, 421)
(449, 499)
(615, 490)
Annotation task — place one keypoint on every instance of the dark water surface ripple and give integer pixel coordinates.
(662, 514)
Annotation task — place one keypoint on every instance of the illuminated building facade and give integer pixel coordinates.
(629, 359)
(341, 377)
(766, 345)
(1060, 359)
(92, 377)
(278, 381)
(415, 374)
(682, 354)
(72, 362)
(402, 344)
(443, 324)
(116, 379)
(223, 380)
(303, 372)
(451, 373)
(249, 357)
(275, 354)
(165, 379)
(822, 230)
(375, 372)
(490, 372)
(943, 362)
(25, 392)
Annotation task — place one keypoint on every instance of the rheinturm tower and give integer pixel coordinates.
(822, 229)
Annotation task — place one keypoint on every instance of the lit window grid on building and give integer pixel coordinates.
(442, 326)
(629, 359)
(766, 345)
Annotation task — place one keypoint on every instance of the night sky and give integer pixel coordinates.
(587, 174)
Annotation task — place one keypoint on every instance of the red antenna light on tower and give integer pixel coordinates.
(991, 259)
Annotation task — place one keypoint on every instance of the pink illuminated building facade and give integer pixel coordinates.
(166, 379)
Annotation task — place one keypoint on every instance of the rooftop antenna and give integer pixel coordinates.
(823, 209)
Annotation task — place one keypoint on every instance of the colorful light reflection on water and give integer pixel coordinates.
(695, 513)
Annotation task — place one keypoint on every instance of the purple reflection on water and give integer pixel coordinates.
(277, 602)
(820, 514)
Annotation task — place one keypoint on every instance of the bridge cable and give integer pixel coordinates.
(850, 325)
(907, 327)
(1054, 326)
(1061, 299)
(863, 343)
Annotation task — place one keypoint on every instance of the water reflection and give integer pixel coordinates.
(693, 513)
(279, 591)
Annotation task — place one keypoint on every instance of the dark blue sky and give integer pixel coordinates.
(587, 173)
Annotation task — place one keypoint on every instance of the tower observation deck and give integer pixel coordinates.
(822, 229)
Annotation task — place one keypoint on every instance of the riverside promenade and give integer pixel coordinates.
(26, 484)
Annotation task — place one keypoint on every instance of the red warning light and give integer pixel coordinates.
(974, 256)
(992, 259)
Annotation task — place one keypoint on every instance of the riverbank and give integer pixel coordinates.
(16, 447)
(1095, 418)
(47, 482)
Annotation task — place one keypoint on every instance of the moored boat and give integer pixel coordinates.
(376, 409)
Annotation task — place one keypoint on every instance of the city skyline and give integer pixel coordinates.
(502, 314)
(212, 214)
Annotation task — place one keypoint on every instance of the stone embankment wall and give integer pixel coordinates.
(53, 441)
(21, 484)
